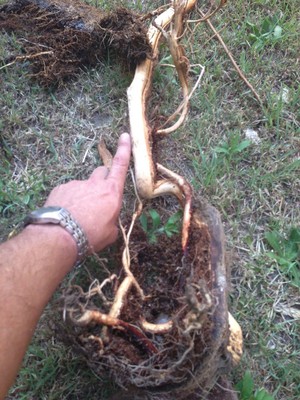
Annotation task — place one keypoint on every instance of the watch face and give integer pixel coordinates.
(60, 216)
(45, 210)
(44, 215)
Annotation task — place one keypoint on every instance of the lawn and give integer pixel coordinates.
(241, 155)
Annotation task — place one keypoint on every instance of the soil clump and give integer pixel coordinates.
(189, 290)
(61, 36)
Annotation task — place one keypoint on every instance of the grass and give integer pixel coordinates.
(48, 138)
(45, 363)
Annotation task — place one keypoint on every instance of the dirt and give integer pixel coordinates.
(61, 37)
(177, 288)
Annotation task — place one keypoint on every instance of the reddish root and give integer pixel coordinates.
(96, 317)
(187, 191)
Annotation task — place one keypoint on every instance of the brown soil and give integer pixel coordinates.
(191, 355)
(72, 35)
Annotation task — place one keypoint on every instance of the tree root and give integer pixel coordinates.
(23, 58)
(90, 317)
(147, 184)
(182, 348)
(237, 68)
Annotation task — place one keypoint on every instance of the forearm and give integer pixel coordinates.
(34, 263)
(31, 267)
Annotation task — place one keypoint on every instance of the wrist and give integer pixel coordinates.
(60, 244)
(59, 216)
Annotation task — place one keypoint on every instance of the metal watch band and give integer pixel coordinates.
(76, 231)
(61, 216)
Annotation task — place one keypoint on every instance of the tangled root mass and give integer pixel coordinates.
(62, 36)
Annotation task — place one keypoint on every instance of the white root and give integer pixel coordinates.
(209, 14)
(146, 182)
(183, 106)
(137, 95)
(139, 129)
(160, 328)
(235, 343)
(145, 174)
(186, 190)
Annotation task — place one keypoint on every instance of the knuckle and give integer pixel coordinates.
(114, 187)
(119, 161)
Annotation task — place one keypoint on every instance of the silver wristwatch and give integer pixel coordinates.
(62, 217)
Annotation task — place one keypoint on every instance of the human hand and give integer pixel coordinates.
(95, 203)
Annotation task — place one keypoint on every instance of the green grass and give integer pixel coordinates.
(285, 250)
(52, 371)
(48, 138)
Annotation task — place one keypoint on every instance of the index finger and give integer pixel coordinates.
(121, 160)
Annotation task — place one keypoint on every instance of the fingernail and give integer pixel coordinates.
(125, 136)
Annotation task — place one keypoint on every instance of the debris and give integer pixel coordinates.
(252, 135)
(292, 311)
